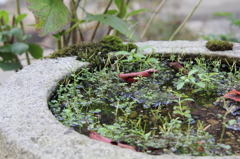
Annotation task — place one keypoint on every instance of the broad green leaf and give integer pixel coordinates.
(19, 48)
(7, 56)
(18, 34)
(5, 16)
(122, 7)
(114, 22)
(20, 18)
(136, 12)
(6, 66)
(35, 50)
(6, 48)
(192, 72)
(51, 16)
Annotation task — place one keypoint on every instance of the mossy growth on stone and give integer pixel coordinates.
(95, 53)
(218, 45)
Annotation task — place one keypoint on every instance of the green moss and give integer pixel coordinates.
(217, 45)
(94, 52)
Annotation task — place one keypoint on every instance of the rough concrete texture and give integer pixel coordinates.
(29, 130)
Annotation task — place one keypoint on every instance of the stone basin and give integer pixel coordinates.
(29, 130)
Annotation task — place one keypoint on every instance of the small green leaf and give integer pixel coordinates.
(138, 55)
(180, 85)
(190, 73)
(226, 14)
(19, 18)
(177, 112)
(144, 47)
(51, 16)
(152, 60)
(114, 22)
(201, 84)
(232, 121)
(122, 53)
(35, 50)
(19, 48)
(6, 66)
(112, 12)
(5, 16)
(136, 12)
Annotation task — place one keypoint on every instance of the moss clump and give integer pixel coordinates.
(217, 45)
(94, 52)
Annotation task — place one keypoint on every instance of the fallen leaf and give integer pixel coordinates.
(234, 95)
(96, 136)
(129, 77)
(177, 67)
(212, 121)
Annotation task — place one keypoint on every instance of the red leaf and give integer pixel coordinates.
(96, 136)
(234, 95)
(177, 67)
(129, 77)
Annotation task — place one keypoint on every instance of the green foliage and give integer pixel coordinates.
(230, 16)
(180, 108)
(51, 16)
(114, 22)
(217, 45)
(224, 37)
(95, 53)
(14, 43)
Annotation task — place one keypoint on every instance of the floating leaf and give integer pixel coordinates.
(114, 22)
(234, 95)
(51, 16)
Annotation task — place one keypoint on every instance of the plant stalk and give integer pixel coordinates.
(21, 24)
(152, 18)
(98, 23)
(185, 21)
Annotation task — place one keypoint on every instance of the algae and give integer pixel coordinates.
(95, 53)
(218, 45)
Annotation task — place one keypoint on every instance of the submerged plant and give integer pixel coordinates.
(151, 114)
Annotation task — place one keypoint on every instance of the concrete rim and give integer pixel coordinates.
(29, 130)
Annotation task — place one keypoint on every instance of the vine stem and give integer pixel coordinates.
(21, 24)
(152, 18)
(185, 21)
